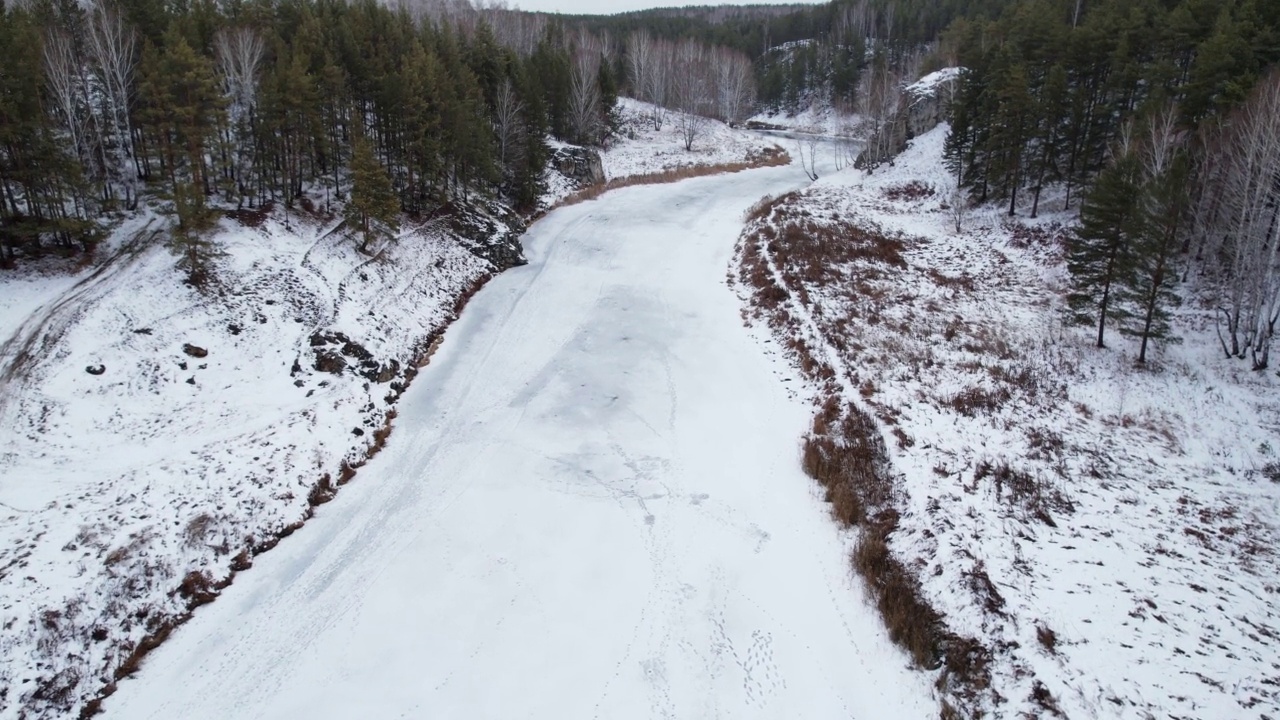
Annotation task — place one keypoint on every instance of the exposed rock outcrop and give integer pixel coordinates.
(923, 105)
(582, 165)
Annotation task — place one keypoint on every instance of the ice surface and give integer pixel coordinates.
(592, 507)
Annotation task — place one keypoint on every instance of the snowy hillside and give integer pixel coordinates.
(157, 438)
(1105, 534)
(639, 149)
(817, 119)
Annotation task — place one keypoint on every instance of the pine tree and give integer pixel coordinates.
(1149, 289)
(422, 126)
(608, 98)
(189, 237)
(1099, 256)
(373, 206)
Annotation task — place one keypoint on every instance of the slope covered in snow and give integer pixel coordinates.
(1107, 534)
(157, 437)
(591, 508)
(638, 148)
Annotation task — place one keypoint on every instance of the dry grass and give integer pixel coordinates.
(1048, 638)
(914, 190)
(973, 401)
(845, 450)
(1021, 489)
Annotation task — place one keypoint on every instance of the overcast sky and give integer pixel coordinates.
(609, 7)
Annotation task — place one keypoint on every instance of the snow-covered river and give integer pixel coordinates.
(591, 507)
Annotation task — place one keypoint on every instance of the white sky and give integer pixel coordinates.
(610, 7)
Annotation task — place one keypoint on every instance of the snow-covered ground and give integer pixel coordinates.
(591, 507)
(1108, 533)
(132, 461)
(639, 149)
(817, 119)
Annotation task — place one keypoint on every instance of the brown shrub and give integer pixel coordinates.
(762, 207)
(960, 282)
(345, 472)
(974, 400)
(1023, 490)
(149, 642)
(198, 529)
(198, 588)
(904, 440)
(914, 190)
(322, 492)
(251, 217)
(912, 623)
(1047, 637)
(985, 590)
(1042, 697)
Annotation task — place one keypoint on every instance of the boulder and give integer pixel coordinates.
(582, 165)
(328, 361)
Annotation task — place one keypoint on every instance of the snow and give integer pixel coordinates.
(115, 486)
(639, 149)
(928, 84)
(592, 507)
(820, 118)
(1147, 542)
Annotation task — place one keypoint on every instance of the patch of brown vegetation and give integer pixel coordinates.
(845, 451)
(914, 190)
(252, 217)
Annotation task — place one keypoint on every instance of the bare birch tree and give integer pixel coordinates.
(879, 100)
(63, 80)
(584, 89)
(239, 53)
(692, 90)
(112, 50)
(1240, 224)
(63, 77)
(735, 84)
(508, 110)
(640, 63)
(658, 82)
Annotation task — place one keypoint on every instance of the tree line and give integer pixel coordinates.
(1150, 115)
(203, 106)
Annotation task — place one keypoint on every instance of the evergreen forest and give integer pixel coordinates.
(1156, 119)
